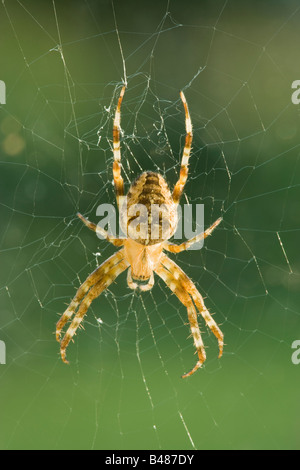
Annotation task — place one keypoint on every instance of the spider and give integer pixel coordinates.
(144, 255)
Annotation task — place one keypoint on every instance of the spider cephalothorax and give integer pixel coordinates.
(148, 216)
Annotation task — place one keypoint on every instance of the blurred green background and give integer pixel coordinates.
(63, 64)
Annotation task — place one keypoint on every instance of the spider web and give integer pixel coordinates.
(63, 64)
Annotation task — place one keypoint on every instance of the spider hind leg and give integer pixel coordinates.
(96, 283)
(186, 300)
(186, 291)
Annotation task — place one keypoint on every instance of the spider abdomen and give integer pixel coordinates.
(151, 212)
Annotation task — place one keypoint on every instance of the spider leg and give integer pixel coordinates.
(118, 180)
(186, 245)
(101, 231)
(85, 287)
(179, 186)
(93, 293)
(176, 279)
(186, 300)
(190, 287)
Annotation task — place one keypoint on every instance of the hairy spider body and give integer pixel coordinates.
(148, 216)
(151, 215)
(143, 262)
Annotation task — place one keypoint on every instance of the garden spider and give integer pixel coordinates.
(145, 255)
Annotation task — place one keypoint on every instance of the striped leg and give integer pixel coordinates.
(192, 315)
(185, 245)
(93, 279)
(182, 279)
(210, 322)
(178, 189)
(101, 231)
(185, 299)
(93, 293)
(118, 180)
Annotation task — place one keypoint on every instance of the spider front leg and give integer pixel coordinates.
(99, 280)
(118, 180)
(179, 186)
